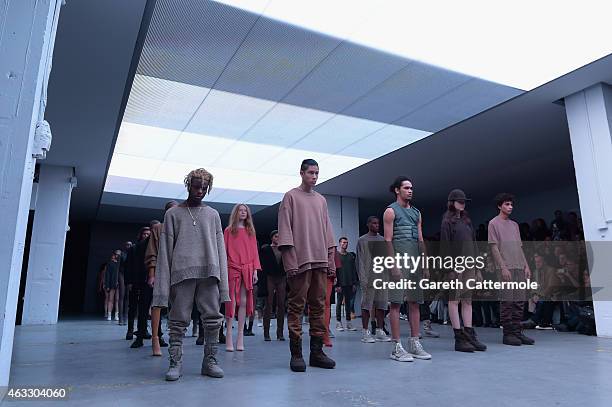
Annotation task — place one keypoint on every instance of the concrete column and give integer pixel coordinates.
(589, 116)
(344, 216)
(44, 279)
(27, 32)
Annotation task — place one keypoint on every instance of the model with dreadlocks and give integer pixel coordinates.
(192, 264)
(243, 266)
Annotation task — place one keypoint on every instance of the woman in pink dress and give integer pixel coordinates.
(243, 265)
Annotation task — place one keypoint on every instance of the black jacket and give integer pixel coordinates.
(135, 270)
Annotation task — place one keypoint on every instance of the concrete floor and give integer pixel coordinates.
(90, 357)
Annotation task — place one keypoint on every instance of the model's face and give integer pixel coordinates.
(405, 191)
(539, 261)
(127, 245)
(459, 205)
(242, 213)
(343, 244)
(310, 175)
(197, 189)
(506, 208)
(374, 226)
(275, 239)
(145, 234)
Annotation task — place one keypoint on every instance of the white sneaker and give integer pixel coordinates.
(108, 317)
(367, 337)
(430, 333)
(416, 349)
(381, 336)
(349, 326)
(116, 316)
(400, 354)
(403, 317)
(339, 326)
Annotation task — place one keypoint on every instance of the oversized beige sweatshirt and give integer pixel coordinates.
(305, 233)
(187, 251)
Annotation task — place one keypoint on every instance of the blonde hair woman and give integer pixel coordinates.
(243, 265)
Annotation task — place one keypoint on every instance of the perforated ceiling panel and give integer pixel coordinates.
(248, 97)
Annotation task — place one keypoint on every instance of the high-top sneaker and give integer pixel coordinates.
(339, 326)
(381, 336)
(416, 349)
(317, 357)
(297, 363)
(399, 353)
(210, 366)
(350, 327)
(116, 316)
(175, 371)
(367, 337)
(473, 339)
(462, 343)
(428, 331)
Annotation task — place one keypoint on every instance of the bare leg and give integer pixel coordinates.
(106, 304)
(365, 318)
(155, 320)
(466, 313)
(241, 318)
(394, 311)
(380, 318)
(415, 318)
(453, 313)
(229, 344)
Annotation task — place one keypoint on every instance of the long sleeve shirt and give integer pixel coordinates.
(306, 236)
(190, 251)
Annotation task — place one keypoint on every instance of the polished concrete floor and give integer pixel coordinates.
(90, 357)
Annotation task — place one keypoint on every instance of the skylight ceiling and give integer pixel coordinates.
(248, 97)
(522, 43)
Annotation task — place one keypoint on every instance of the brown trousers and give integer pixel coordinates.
(307, 287)
(512, 304)
(277, 286)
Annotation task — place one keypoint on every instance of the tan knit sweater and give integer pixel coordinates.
(187, 251)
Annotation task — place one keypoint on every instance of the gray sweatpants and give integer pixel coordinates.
(205, 291)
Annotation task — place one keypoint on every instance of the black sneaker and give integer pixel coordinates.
(137, 343)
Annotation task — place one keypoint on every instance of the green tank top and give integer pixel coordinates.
(405, 228)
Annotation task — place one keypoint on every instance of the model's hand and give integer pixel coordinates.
(479, 276)
(255, 278)
(506, 275)
(527, 273)
(396, 274)
(151, 281)
(426, 273)
(338, 290)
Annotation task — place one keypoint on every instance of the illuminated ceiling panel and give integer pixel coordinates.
(250, 89)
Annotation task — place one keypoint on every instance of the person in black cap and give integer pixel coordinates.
(457, 239)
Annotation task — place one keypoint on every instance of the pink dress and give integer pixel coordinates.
(242, 263)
